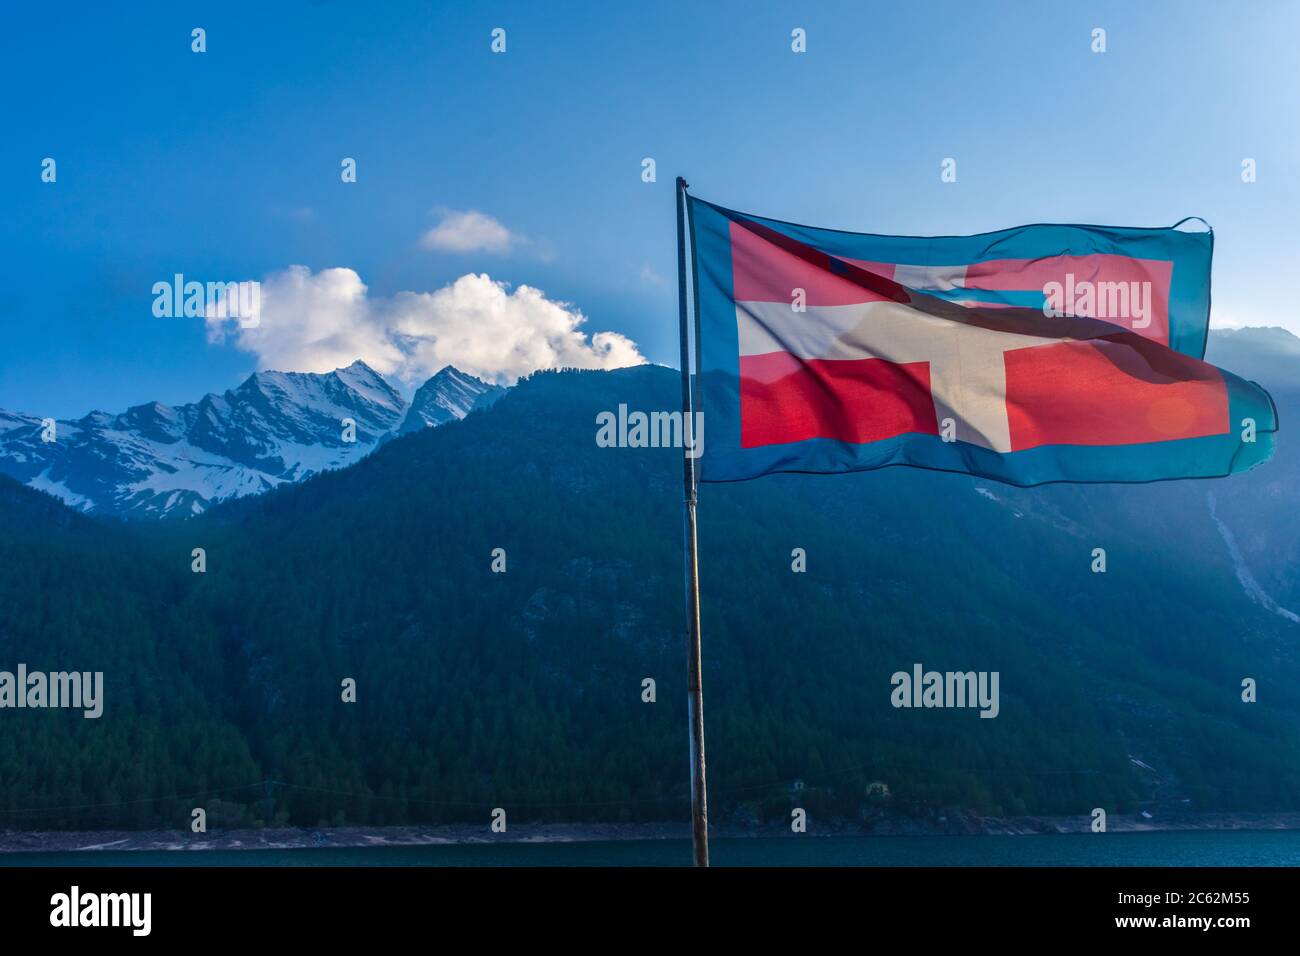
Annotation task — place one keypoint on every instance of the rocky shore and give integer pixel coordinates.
(16, 841)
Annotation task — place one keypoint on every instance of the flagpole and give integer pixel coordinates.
(694, 685)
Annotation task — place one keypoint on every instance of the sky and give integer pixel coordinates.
(499, 219)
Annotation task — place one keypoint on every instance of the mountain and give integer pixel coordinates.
(112, 604)
(523, 689)
(449, 396)
(1256, 513)
(1268, 355)
(281, 427)
(276, 428)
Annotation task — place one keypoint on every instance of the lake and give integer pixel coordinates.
(1196, 848)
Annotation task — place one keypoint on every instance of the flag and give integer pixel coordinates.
(1035, 354)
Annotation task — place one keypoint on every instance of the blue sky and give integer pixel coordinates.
(225, 165)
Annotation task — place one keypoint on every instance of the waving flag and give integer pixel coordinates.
(1036, 354)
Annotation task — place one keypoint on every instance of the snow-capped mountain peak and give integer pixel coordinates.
(448, 396)
(274, 427)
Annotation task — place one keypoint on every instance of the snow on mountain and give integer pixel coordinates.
(154, 460)
(448, 396)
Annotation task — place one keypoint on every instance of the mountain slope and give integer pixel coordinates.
(524, 689)
(275, 428)
(76, 594)
(1266, 354)
(448, 396)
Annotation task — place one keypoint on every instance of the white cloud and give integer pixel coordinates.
(650, 277)
(315, 322)
(469, 231)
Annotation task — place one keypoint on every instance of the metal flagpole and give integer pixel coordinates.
(694, 688)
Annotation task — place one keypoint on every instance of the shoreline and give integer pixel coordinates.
(71, 841)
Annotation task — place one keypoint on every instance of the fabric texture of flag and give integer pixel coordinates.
(1035, 354)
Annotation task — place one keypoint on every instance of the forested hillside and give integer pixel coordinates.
(523, 689)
